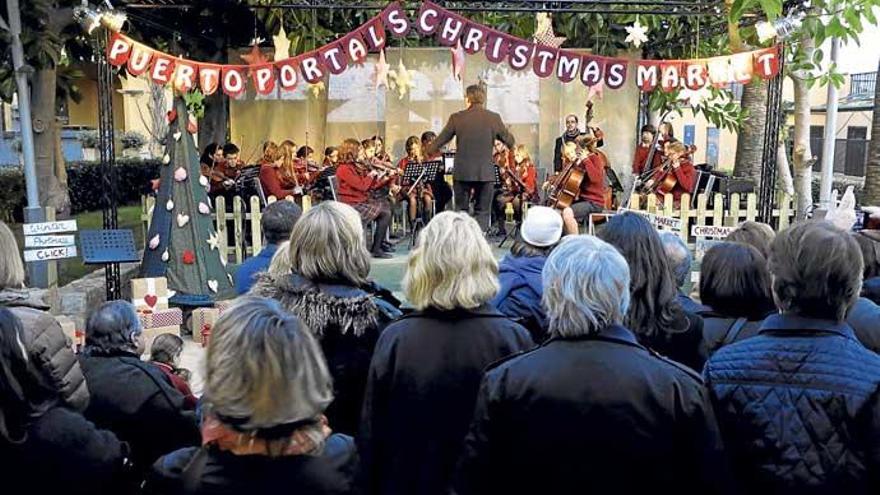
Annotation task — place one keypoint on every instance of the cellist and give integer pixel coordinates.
(677, 175)
(593, 189)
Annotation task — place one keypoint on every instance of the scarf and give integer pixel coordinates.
(239, 443)
(572, 134)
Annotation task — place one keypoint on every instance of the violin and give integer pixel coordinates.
(663, 180)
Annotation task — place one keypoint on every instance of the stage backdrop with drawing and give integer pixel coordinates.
(351, 106)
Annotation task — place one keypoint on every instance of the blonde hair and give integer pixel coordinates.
(452, 265)
(11, 267)
(271, 153)
(328, 243)
(279, 266)
(287, 151)
(521, 148)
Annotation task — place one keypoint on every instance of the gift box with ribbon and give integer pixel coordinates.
(199, 319)
(150, 294)
(151, 333)
(161, 318)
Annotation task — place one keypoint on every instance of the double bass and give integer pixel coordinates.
(565, 186)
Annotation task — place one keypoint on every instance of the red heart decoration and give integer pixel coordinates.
(189, 257)
(171, 115)
(151, 300)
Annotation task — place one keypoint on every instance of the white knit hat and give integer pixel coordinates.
(542, 226)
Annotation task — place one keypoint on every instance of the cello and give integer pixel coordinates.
(565, 186)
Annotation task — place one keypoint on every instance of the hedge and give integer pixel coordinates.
(84, 185)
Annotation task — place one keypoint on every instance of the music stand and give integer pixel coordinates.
(108, 246)
(415, 174)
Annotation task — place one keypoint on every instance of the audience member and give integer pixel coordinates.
(680, 260)
(655, 314)
(869, 244)
(44, 443)
(864, 315)
(165, 354)
(276, 222)
(128, 396)
(735, 288)
(520, 271)
(329, 291)
(266, 388)
(45, 341)
(798, 403)
(592, 410)
(756, 234)
(279, 266)
(426, 370)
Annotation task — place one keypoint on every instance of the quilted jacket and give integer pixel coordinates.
(798, 408)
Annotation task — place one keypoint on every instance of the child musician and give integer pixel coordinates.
(358, 181)
(593, 193)
(677, 176)
(423, 189)
(271, 175)
(519, 182)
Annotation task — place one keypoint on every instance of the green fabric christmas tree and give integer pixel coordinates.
(182, 243)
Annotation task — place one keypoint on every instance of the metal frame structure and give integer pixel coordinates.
(769, 156)
(107, 148)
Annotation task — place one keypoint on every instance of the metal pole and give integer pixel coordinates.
(827, 176)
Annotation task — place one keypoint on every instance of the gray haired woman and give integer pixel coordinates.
(591, 408)
(266, 389)
(327, 288)
(128, 396)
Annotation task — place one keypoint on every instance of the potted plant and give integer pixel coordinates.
(132, 142)
(89, 141)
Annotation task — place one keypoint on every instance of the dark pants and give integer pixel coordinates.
(584, 208)
(383, 221)
(483, 192)
(442, 194)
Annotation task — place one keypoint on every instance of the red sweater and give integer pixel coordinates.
(189, 400)
(271, 182)
(641, 155)
(687, 179)
(355, 184)
(593, 186)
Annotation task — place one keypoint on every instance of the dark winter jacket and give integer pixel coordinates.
(864, 318)
(47, 345)
(520, 295)
(134, 400)
(209, 471)
(720, 330)
(592, 414)
(799, 408)
(247, 271)
(421, 392)
(347, 320)
(871, 289)
(688, 303)
(682, 345)
(65, 454)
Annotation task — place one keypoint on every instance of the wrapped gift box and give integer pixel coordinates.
(161, 318)
(151, 333)
(201, 317)
(150, 294)
(223, 305)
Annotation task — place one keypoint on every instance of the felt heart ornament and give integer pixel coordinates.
(169, 205)
(180, 174)
(171, 293)
(189, 257)
(177, 135)
(192, 125)
(151, 300)
(154, 242)
(204, 209)
(182, 219)
(229, 277)
(166, 256)
(171, 116)
(213, 285)
(166, 159)
(203, 180)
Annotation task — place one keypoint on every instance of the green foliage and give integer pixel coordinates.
(195, 103)
(720, 109)
(12, 200)
(89, 139)
(132, 140)
(133, 179)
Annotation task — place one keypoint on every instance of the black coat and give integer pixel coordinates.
(720, 330)
(592, 414)
(210, 471)
(420, 395)
(475, 130)
(682, 346)
(799, 408)
(133, 399)
(65, 454)
(864, 318)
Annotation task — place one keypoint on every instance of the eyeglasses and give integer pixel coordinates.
(571, 121)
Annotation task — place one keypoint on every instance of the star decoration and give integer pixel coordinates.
(597, 90)
(282, 45)
(403, 79)
(254, 57)
(458, 61)
(212, 240)
(544, 31)
(636, 34)
(765, 31)
(380, 76)
(317, 88)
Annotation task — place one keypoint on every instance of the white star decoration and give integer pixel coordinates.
(636, 34)
(403, 79)
(282, 45)
(212, 240)
(380, 76)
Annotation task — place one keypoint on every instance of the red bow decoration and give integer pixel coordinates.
(189, 257)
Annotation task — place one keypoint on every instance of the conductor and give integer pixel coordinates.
(476, 130)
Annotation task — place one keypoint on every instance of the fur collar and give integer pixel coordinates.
(321, 306)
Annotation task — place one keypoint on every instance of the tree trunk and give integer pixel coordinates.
(43, 110)
(212, 128)
(785, 182)
(750, 139)
(802, 156)
(158, 119)
(872, 171)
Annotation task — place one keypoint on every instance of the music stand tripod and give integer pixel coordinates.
(416, 174)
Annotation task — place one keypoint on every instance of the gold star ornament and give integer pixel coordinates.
(282, 45)
(402, 79)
